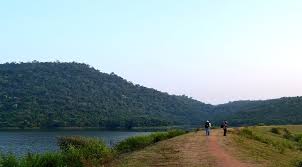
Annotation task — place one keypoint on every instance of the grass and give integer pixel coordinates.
(85, 151)
(277, 146)
(34, 160)
(184, 150)
(265, 146)
(139, 142)
(78, 151)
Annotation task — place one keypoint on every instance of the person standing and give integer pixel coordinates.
(207, 127)
(224, 126)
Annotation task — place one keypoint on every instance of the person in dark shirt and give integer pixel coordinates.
(224, 126)
(207, 127)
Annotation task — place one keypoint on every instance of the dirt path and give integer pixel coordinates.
(223, 158)
(190, 150)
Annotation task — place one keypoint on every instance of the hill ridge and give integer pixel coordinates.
(73, 94)
(58, 94)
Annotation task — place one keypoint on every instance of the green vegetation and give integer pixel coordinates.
(139, 142)
(34, 160)
(286, 110)
(280, 145)
(273, 146)
(85, 149)
(56, 95)
(51, 95)
(276, 130)
(85, 152)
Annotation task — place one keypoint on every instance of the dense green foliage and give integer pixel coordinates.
(287, 110)
(80, 152)
(51, 95)
(298, 163)
(84, 152)
(35, 160)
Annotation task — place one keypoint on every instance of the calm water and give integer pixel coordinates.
(22, 142)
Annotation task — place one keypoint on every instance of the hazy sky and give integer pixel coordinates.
(212, 50)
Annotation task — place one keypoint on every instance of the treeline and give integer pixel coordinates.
(286, 110)
(54, 94)
(50, 95)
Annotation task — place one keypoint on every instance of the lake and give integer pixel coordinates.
(22, 142)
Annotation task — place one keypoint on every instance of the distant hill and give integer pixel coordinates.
(286, 110)
(77, 95)
(50, 95)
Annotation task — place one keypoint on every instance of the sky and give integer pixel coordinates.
(215, 51)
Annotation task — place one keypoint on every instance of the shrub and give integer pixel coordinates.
(85, 150)
(9, 160)
(33, 160)
(73, 157)
(76, 141)
(276, 131)
(45, 160)
(288, 135)
(298, 138)
(81, 151)
(298, 163)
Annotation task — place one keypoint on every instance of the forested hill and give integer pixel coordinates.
(76, 95)
(49, 95)
(286, 110)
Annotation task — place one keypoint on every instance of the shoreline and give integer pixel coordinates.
(138, 129)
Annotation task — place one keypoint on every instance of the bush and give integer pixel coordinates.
(276, 131)
(288, 135)
(80, 151)
(298, 163)
(45, 160)
(74, 158)
(85, 150)
(9, 161)
(76, 141)
(298, 138)
(33, 160)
